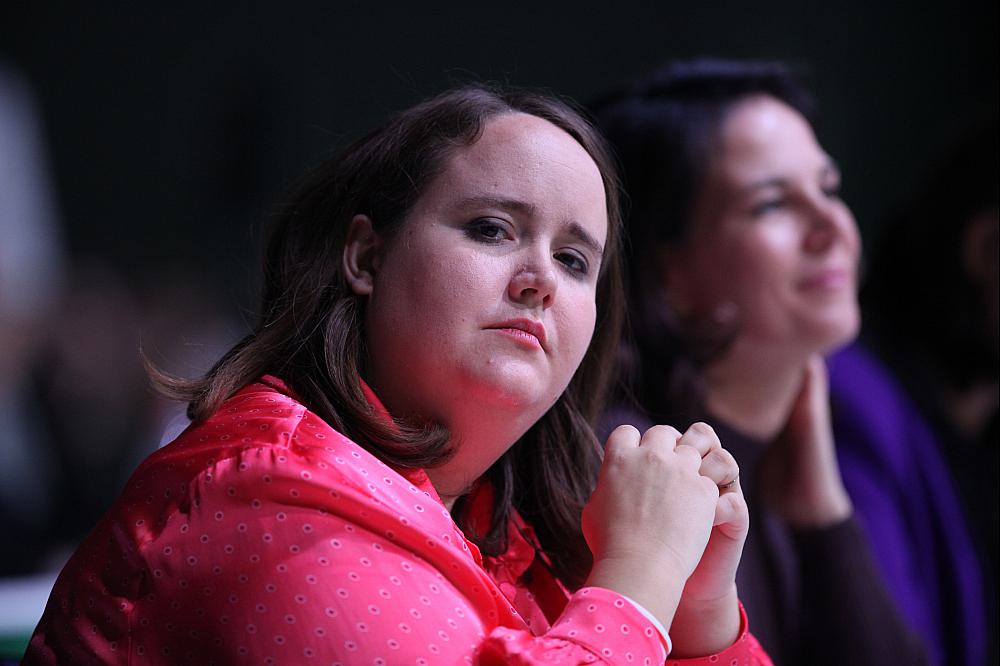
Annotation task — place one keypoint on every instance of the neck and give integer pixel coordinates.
(479, 437)
(753, 390)
(480, 428)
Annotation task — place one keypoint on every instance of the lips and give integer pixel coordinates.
(829, 279)
(520, 327)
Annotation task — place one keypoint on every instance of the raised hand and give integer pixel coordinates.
(800, 478)
(652, 514)
(707, 617)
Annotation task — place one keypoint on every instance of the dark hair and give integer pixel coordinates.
(310, 329)
(663, 127)
(918, 282)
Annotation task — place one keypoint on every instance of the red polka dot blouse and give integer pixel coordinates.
(263, 536)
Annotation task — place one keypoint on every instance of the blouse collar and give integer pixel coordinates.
(415, 475)
(520, 553)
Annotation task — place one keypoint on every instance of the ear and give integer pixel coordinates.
(361, 255)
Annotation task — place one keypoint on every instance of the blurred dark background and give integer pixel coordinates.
(171, 127)
(165, 131)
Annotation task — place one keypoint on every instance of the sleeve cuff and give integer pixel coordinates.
(664, 636)
(594, 616)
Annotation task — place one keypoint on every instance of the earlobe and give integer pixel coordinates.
(360, 260)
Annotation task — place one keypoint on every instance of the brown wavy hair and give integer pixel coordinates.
(310, 327)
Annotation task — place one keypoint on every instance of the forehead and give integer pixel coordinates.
(764, 137)
(524, 158)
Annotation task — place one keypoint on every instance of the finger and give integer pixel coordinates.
(689, 455)
(720, 466)
(701, 437)
(621, 439)
(661, 435)
(732, 486)
(814, 383)
(729, 485)
(731, 513)
(816, 373)
(818, 383)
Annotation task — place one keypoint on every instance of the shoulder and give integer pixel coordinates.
(262, 418)
(264, 463)
(263, 456)
(855, 373)
(264, 433)
(871, 410)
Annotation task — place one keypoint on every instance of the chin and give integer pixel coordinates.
(513, 387)
(838, 331)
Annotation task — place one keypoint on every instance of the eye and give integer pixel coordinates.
(832, 190)
(830, 181)
(487, 230)
(767, 206)
(573, 261)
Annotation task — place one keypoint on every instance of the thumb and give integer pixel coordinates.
(812, 402)
(731, 516)
(731, 513)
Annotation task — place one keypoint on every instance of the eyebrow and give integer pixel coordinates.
(764, 184)
(515, 205)
(829, 167)
(527, 209)
(581, 235)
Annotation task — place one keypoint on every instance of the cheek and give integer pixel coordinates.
(429, 291)
(776, 244)
(576, 326)
(751, 266)
(753, 272)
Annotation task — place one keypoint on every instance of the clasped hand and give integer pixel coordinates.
(666, 525)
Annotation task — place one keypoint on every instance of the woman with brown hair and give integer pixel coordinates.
(743, 275)
(393, 466)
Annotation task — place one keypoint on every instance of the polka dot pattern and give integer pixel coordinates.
(264, 536)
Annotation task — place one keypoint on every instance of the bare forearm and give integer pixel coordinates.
(705, 627)
(656, 586)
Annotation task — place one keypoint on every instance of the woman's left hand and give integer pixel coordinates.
(708, 613)
(799, 476)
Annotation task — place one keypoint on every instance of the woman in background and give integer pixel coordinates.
(743, 275)
(392, 467)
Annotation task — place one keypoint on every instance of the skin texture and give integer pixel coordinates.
(513, 230)
(667, 524)
(771, 216)
(801, 475)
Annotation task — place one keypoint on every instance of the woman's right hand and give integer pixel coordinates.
(650, 517)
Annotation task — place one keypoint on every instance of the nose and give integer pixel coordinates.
(534, 286)
(830, 221)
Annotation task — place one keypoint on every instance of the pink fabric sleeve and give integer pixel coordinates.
(597, 626)
(291, 560)
(284, 562)
(319, 565)
(265, 537)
